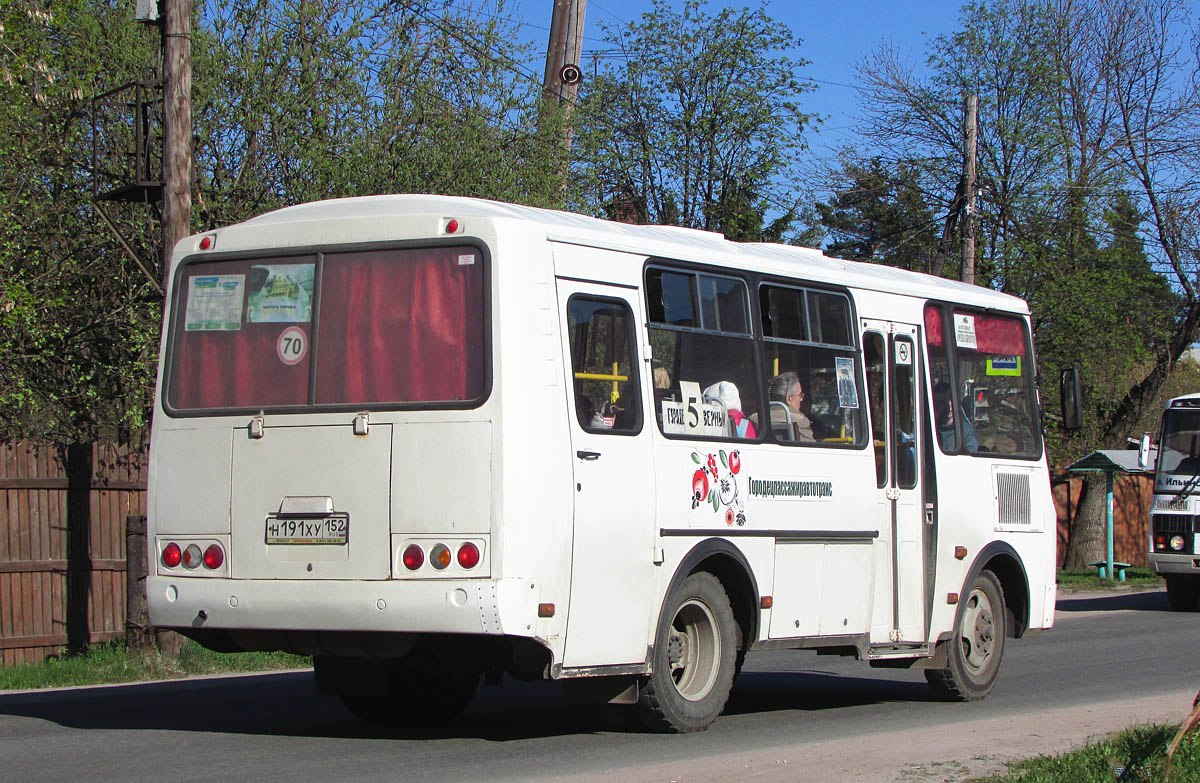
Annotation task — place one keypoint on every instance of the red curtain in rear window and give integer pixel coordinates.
(401, 326)
(993, 334)
(238, 368)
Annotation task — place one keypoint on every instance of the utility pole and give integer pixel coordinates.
(968, 233)
(176, 176)
(563, 70)
(177, 128)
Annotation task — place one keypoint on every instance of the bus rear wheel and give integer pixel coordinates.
(1183, 593)
(693, 659)
(974, 653)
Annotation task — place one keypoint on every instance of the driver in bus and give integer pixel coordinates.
(944, 413)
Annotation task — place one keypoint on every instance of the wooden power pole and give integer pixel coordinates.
(177, 128)
(563, 69)
(968, 232)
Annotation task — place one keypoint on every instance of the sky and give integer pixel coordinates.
(834, 36)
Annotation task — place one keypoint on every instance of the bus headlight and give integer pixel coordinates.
(1177, 543)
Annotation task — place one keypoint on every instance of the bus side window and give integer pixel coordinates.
(705, 383)
(808, 341)
(601, 335)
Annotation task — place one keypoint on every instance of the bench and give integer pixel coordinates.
(1118, 569)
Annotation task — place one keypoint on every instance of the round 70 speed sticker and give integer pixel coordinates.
(292, 345)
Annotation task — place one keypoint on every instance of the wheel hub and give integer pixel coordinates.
(693, 650)
(979, 631)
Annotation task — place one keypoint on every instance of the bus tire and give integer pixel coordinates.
(693, 659)
(973, 658)
(1183, 593)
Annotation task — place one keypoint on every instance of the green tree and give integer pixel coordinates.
(696, 122)
(308, 99)
(78, 319)
(880, 214)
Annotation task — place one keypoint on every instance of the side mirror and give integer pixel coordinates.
(1144, 451)
(1072, 399)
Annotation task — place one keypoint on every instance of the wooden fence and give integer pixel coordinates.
(62, 545)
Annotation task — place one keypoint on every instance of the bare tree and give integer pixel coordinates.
(1087, 108)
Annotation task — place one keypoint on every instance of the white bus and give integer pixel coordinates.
(430, 440)
(1174, 526)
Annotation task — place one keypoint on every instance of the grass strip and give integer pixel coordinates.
(112, 663)
(1136, 755)
(1087, 579)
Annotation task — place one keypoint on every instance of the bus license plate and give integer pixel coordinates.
(332, 529)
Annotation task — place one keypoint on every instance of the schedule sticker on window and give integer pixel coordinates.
(292, 346)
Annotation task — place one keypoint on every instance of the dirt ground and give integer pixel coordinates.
(925, 755)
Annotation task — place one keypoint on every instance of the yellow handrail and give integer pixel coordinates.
(595, 376)
(614, 376)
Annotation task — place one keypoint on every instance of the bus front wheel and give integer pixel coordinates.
(1183, 593)
(693, 659)
(973, 657)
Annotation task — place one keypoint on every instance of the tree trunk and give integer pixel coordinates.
(1086, 543)
(137, 620)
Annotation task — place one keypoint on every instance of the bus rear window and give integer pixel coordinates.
(400, 326)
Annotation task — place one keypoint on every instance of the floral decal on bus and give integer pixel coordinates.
(717, 485)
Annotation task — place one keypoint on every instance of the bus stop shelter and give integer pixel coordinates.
(1110, 462)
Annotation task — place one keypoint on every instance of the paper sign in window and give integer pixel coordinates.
(1004, 365)
(964, 331)
(847, 391)
(280, 293)
(694, 415)
(214, 303)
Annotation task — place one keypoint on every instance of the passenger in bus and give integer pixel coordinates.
(944, 413)
(726, 394)
(787, 395)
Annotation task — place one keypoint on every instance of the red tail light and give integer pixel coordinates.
(213, 557)
(468, 555)
(413, 557)
(172, 555)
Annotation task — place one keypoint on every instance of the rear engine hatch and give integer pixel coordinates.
(311, 503)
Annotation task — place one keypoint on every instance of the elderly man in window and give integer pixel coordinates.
(787, 395)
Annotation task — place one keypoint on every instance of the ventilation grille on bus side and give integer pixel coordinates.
(1012, 494)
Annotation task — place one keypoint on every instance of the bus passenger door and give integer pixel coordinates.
(612, 563)
(893, 380)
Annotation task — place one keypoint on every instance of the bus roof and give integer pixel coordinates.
(1194, 397)
(665, 241)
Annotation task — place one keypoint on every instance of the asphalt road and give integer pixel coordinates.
(1104, 652)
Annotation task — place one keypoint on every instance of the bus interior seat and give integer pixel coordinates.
(782, 430)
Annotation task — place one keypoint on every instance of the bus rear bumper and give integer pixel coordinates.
(412, 606)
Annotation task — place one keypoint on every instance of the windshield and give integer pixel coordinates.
(986, 404)
(1178, 451)
(393, 326)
